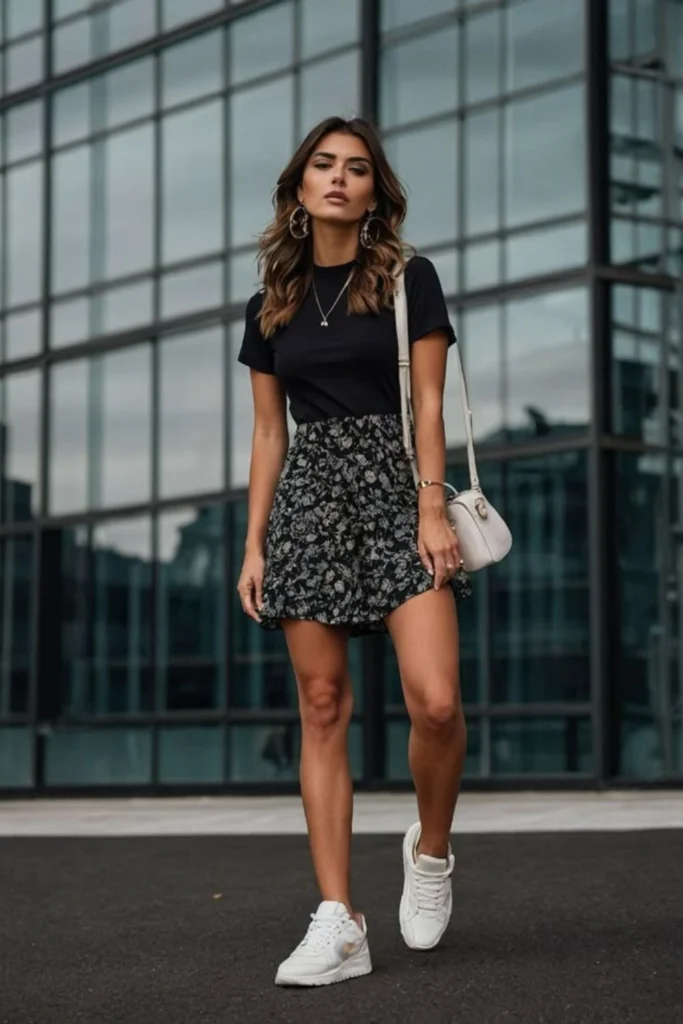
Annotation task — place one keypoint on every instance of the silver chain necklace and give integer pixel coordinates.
(325, 316)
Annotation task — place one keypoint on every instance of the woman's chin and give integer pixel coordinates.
(336, 218)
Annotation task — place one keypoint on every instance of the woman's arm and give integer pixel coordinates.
(270, 441)
(437, 543)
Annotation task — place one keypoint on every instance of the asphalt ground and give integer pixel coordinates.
(571, 927)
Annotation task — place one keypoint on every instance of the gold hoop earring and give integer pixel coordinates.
(369, 237)
(298, 223)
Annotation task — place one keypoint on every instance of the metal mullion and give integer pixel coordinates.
(601, 509)
(227, 518)
(155, 361)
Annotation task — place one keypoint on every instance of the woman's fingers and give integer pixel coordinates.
(425, 558)
(246, 591)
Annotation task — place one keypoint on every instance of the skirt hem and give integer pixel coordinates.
(356, 626)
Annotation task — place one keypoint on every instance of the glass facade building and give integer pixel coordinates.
(541, 142)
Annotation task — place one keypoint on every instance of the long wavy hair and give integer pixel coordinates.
(286, 264)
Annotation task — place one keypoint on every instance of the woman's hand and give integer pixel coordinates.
(438, 546)
(250, 584)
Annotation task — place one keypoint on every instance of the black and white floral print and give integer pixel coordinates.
(341, 545)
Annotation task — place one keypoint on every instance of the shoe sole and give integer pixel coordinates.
(355, 967)
(403, 906)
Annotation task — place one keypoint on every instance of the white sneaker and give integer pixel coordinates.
(427, 900)
(333, 949)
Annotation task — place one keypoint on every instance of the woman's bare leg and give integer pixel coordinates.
(320, 660)
(425, 634)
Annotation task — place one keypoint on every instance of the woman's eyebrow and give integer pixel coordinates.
(350, 159)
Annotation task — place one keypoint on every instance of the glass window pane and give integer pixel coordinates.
(262, 43)
(544, 41)
(24, 131)
(324, 27)
(71, 183)
(20, 416)
(641, 323)
(420, 77)
(257, 158)
(24, 238)
(330, 86)
(128, 22)
(191, 754)
(482, 169)
(193, 182)
(244, 279)
(23, 334)
(113, 756)
(192, 69)
(24, 64)
(126, 307)
(129, 92)
(482, 265)
(69, 322)
(22, 16)
(241, 409)
(71, 114)
(547, 364)
(63, 8)
(16, 756)
(545, 173)
(68, 462)
(191, 413)
(543, 746)
(427, 161)
(129, 209)
(540, 618)
(483, 358)
(482, 60)
(542, 252)
(648, 498)
(396, 13)
(122, 466)
(71, 45)
(122, 617)
(674, 38)
(175, 12)
(17, 581)
(191, 609)
(189, 291)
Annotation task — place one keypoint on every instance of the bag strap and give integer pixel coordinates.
(401, 311)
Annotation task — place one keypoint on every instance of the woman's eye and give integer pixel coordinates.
(359, 170)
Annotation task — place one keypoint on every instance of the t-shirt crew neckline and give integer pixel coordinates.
(336, 268)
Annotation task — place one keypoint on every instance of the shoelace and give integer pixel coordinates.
(429, 893)
(320, 931)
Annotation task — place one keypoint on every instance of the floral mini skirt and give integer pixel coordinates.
(341, 544)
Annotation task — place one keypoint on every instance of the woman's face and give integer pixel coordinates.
(338, 183)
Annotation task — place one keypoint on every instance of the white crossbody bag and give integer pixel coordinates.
(483, 536)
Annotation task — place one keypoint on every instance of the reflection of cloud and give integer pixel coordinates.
(101, 427)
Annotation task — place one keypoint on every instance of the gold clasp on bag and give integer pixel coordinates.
(480, 506)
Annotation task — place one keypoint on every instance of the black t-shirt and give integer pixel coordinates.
(350, 367)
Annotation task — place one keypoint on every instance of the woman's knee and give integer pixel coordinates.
(436, 708)
(325, 705)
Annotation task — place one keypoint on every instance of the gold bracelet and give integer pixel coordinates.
(429, 483)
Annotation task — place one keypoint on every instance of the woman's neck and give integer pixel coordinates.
(334, 244)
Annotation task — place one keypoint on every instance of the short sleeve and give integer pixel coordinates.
(427, 310)
(255, 351)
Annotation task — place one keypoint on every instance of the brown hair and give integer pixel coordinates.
(286, 264)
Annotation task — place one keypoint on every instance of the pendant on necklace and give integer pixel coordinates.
(324, 323)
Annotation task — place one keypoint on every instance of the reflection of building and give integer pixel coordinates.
(544, 175)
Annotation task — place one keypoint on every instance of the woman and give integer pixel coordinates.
(338, 542)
